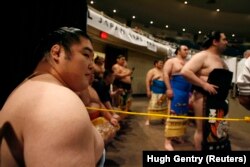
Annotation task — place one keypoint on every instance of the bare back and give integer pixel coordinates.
(57, 134)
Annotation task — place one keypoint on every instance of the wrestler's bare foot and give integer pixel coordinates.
(147, 123)
(168, 145)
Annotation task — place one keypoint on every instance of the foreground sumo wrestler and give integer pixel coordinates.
(43, 122)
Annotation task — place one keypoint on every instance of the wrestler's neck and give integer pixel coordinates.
(214, 50)
(158, 69)
(181, 59)
(44, 67)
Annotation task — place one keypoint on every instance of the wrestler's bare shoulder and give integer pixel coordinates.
(116, 66)
(34, 96)
(171, 59)
(201, 54)
(152, 70)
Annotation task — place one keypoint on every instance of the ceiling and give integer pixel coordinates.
(197, 15)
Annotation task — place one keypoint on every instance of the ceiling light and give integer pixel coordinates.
(233, 35)
(199, 32)
(166, 26)
(151, 22)
(133, 17)
(185, 2)
(183, 29)
(92, 2)
(114, 11)
(217, 10)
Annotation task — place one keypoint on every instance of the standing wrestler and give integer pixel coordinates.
(177, 91)
(198, 70)
(156, 90)
(123, 80)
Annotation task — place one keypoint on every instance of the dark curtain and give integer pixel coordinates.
(24, 23)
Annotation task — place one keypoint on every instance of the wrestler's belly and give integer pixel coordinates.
(126, 80)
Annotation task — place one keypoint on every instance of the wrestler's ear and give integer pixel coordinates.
(215, 42)
(55, 52)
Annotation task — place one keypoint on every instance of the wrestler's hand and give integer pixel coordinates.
(114, 121)
(210, 88)
(149, 94)
(117, 117)
(119, 91)
(170, 93)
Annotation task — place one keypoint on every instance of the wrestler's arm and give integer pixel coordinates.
(194, 65)
(167, 69)
(59, 133)
(106, 114)
(120, 73)
(149, 77)
(109, 116)
(108, 105)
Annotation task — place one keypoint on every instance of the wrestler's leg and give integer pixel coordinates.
(168, 144)
(198, 108)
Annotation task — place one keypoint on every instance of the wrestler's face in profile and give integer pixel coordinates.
(222, 44)
(78, 69)
(184, 51)
(159, 64)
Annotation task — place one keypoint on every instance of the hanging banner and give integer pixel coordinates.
(102, 23)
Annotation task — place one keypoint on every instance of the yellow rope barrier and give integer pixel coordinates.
(171, 116)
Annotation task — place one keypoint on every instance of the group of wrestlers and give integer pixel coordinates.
(203, 82)
(108, 90)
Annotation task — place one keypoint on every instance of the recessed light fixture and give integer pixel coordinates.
(114, 11)
(233, 35)
(151, 22)
(183, 29)
(199, 32)
(217, 10)
(133, 17)
(166, 26)
(92, 2)
(185, 2)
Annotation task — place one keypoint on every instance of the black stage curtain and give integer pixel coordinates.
(23, 25)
